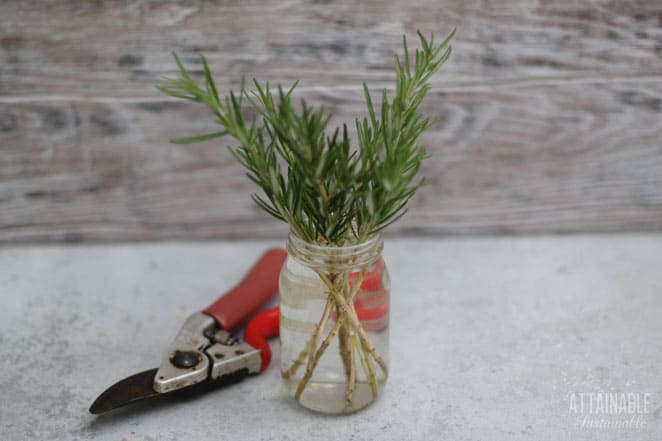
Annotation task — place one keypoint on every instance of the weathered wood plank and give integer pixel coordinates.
(117, 49)
(551, 112)
(539, 159)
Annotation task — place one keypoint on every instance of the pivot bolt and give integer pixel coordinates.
(185, 359)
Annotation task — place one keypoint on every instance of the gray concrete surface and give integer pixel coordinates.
(491, 339)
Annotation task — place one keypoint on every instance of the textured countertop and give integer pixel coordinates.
(491, 339)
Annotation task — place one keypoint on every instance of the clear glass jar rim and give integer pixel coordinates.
(338, 257)
(371, 241)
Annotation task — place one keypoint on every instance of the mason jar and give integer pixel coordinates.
(334, 316)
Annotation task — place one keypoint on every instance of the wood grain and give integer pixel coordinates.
(550, 112)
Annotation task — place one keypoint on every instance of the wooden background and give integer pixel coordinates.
(550, 112)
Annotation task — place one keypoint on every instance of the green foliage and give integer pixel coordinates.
(328, 192)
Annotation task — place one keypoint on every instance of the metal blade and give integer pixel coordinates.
(140, 387)
(130, 390)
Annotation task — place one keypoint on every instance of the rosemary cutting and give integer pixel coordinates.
(330, 192)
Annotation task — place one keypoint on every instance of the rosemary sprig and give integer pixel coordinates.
(328, 192)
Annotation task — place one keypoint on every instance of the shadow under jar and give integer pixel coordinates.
(334, 313)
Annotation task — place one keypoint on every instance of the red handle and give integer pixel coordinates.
(245, 299)
(263, 326)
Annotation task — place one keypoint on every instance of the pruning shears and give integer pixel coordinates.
(205, 354)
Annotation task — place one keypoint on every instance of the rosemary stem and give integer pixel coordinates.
(312, 363)
(311, 345)
(351, 376)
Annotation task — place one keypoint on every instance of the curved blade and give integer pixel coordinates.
(130, 390)
(140, 387)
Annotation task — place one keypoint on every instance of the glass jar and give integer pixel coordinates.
(334, 314)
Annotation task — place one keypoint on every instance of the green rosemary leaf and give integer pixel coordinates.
(199, 138)
(368, 100)
(209, 79)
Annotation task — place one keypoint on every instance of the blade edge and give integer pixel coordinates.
(131, 389)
